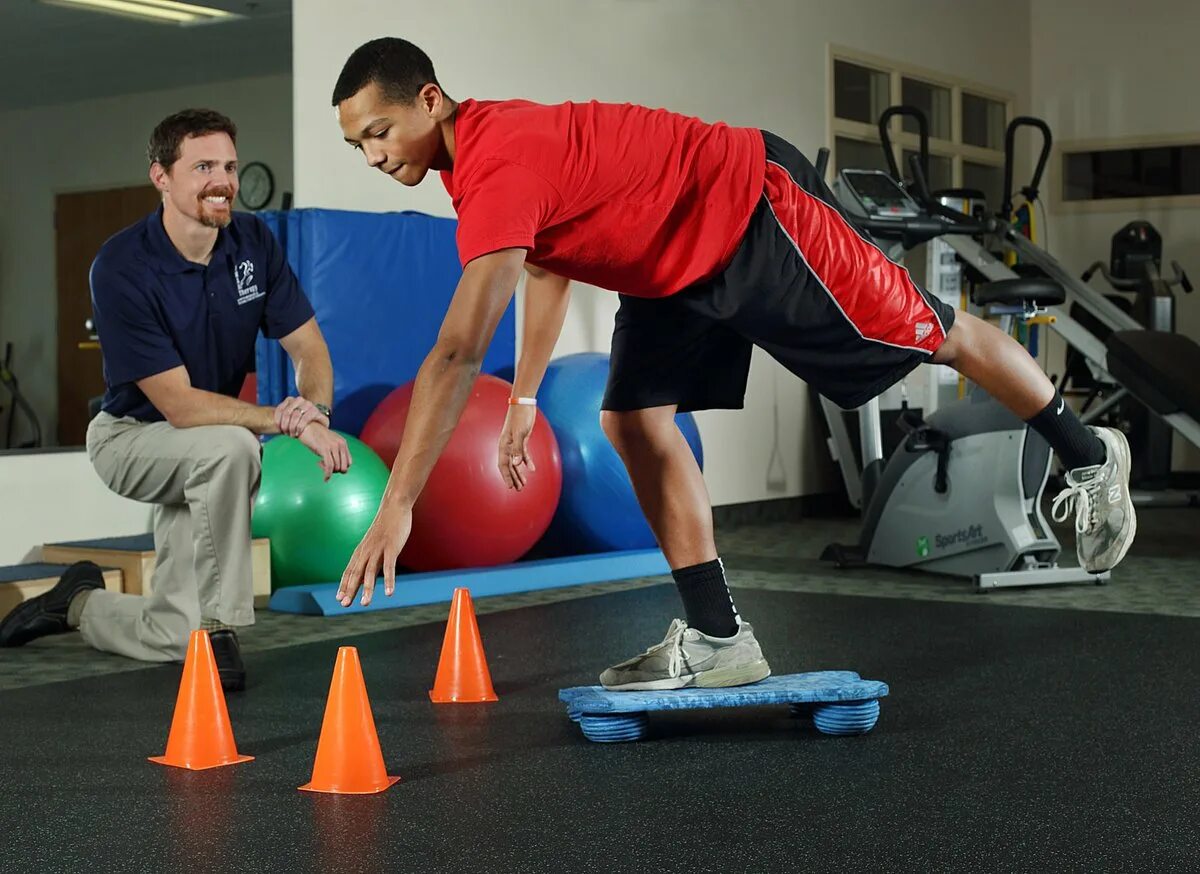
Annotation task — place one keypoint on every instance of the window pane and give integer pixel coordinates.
(985, 178)
(933, 100)
(941, 170)
(858, 155)
(1151, 171)
(859, 93)
(983, 122)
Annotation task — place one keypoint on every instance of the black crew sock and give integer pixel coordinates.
(1076, 444)
(706, 599)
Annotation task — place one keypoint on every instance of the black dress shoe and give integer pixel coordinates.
(47, 613)
(229, 659)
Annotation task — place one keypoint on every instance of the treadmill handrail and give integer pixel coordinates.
(885, 137)
(1029, 191)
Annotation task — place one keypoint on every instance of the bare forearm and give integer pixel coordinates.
(314, 376)
(196, 407)
(546, 299)
(440, 393)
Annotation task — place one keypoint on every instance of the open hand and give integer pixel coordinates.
(513, 460)
(376, 553)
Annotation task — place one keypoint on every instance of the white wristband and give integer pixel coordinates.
(522, 402)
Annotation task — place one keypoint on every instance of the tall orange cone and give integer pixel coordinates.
(349, 760)
(462, 675)
(201, 735)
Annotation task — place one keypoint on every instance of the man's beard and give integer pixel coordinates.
(216, 221)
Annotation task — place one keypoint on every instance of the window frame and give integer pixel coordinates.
(1053, 185)
(954, 148)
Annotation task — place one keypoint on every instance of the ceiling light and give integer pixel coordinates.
(159, 11)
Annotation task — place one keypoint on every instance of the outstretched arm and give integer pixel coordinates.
(442, 387)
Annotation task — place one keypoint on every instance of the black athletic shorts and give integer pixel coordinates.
(805, 285)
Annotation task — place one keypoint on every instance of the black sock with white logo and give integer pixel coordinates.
(1076, 444)
(706, 599)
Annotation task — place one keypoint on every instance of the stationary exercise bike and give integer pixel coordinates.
(961, 494)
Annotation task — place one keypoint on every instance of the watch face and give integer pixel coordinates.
(256, 185)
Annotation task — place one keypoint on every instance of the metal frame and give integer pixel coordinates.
(1038, 576)
(1075, 334)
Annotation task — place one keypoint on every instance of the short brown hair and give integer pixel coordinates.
(170, 133)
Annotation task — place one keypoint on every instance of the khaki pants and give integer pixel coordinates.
(203, 482)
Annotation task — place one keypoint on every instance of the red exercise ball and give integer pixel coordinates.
(249, 392)
(466, 515)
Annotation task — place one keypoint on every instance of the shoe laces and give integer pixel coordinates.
(1080, 496)
(673, 644)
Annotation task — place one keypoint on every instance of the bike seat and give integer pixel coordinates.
(1042, 292)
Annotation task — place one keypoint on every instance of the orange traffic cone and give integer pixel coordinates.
(349, 760)
(201, 736)
(462, 675)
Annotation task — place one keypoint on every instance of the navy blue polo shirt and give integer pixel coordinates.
(155, 310)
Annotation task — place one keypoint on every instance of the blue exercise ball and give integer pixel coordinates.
(598, 511)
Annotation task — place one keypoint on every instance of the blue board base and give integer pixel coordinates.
(319, 599)
(839, 702)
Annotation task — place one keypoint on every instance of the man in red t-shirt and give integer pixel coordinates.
(718, 239)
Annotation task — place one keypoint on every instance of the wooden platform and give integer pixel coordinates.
(135, 558)
(24, 581)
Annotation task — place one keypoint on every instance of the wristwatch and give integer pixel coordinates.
(324, 410)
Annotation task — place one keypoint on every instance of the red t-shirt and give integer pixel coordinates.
(641, 201)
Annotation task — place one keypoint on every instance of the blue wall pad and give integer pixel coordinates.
(270, 361)
(839, 702)
(380, 284)
(319, 599)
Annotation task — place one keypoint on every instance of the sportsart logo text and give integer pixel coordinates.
(970, 534)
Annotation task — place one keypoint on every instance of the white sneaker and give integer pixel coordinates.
(687, 657)
(1105, 522)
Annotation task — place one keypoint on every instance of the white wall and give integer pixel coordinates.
(95, 145)
(761, 64)
(1105, 69)
(56, 497)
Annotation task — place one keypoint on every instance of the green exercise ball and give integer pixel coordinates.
(314, 526)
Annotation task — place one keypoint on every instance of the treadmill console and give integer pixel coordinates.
(874, 194)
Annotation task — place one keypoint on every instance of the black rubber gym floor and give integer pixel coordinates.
(1014, 739)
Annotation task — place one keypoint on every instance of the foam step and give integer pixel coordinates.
(134, 556)
(20, 582)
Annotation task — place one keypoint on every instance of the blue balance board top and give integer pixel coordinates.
(816, 687)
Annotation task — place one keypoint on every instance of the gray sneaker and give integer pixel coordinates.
(687, 657)
(1104, 518)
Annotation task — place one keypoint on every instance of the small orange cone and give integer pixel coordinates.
(349, 760)
(201, 736)
(462, 675)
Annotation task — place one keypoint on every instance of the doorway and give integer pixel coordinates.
(83, 221)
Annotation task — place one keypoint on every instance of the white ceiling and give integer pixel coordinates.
(51, 55)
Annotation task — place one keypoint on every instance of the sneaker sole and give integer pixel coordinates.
(742, 675)
(1126, 507)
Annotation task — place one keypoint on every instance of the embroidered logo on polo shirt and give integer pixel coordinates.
(243, 275)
